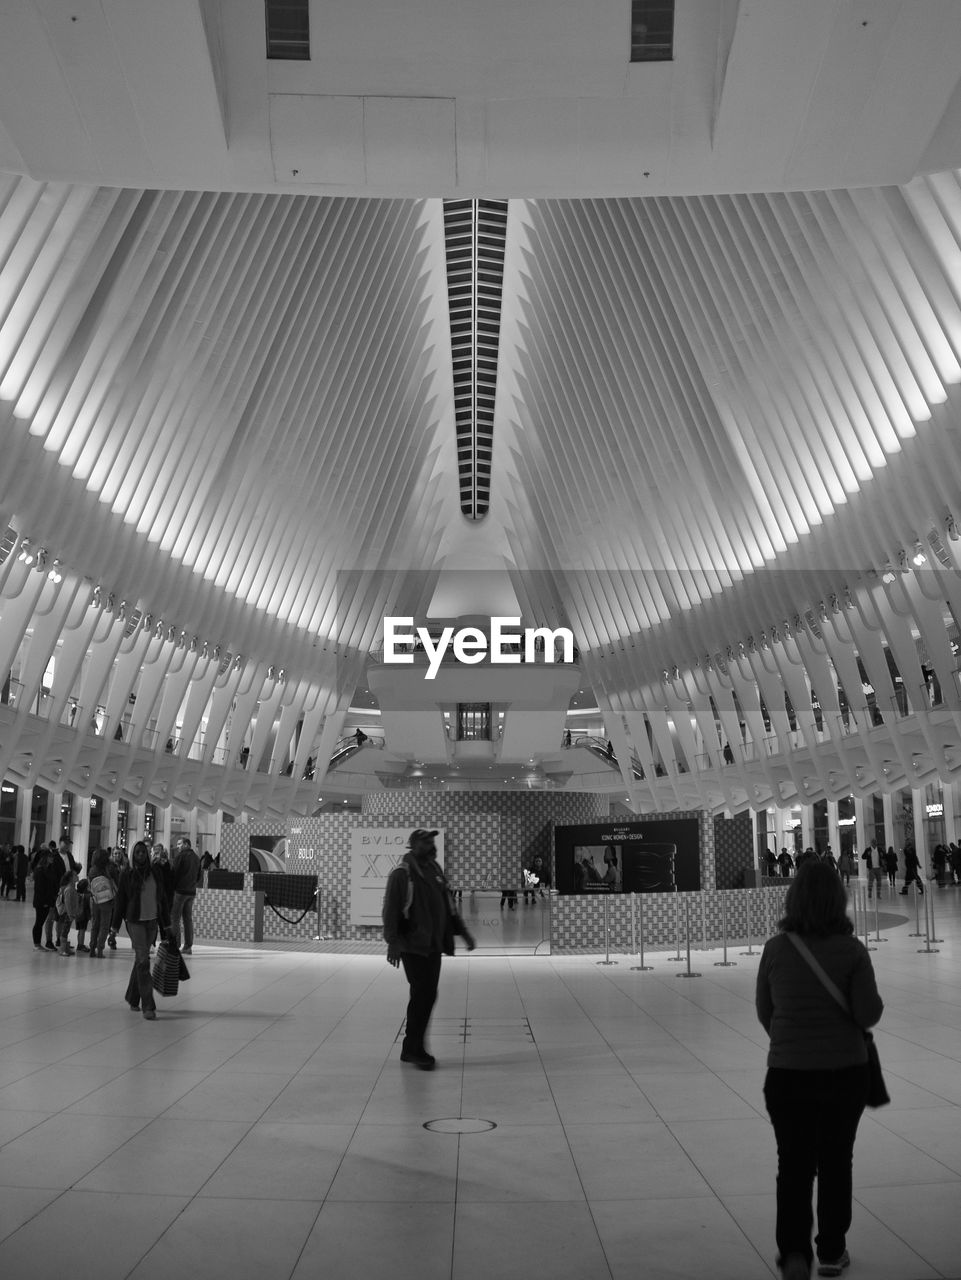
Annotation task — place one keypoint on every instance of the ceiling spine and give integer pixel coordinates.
(475, 233)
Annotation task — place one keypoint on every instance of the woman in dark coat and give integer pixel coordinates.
(47, 870)
(817, 1080)
(141, 904)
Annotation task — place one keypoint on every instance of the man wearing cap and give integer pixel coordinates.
(66, 854)
(420, 924)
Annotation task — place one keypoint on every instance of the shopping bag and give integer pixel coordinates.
(165, 974)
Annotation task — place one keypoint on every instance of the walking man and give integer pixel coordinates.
(872, 857)
(184, 874)
(420, 924)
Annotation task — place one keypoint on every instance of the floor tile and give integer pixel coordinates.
(64, 1149)
(520, 1240)
(231, 1240)
(107, 1234)
(168, 1156)
(675, 1238)
(282, 1162)
(397, 1162)
(384, 1241)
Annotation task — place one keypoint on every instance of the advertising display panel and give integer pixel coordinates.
(656, 855)
(374, 852)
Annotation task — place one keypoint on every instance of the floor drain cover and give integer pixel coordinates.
(460, 1124)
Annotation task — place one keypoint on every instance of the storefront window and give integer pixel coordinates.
(96, 838)
(8, 813)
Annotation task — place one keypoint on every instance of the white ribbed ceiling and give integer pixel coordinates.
(725, 423)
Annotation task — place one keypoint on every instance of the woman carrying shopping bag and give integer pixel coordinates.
(141, 905)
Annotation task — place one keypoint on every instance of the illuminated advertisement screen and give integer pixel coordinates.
(649, 856)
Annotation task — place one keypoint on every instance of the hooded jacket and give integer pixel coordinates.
(415, 891)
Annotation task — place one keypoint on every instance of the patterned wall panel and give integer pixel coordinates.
(527, 821)
(733, 850)
(665, 921)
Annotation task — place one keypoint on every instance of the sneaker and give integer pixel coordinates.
(83, 948)
(187, 951)
(834, 1268)
(425, 1061)
(795, 1267)
(150, 1015)
(49, 946)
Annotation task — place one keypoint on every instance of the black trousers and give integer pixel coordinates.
(815, 1116)
(423, 974)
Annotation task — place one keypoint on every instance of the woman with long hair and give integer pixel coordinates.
(141, 904)
(817, 1078)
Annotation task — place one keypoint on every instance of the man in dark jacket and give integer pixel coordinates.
(184, 874)
(420, 923)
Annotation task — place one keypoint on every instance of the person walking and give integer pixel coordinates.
(845, 866)
(817, 1077)
(420, 924)
(891, 866)
(141, 905)
(871, 857)
(21, 868)
(911, 869)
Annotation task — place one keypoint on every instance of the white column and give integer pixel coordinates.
(920, 835)
(54, 831)
(861, 833)
(81, 830)
(135, 817)
(948, 795)
(888, 803)
(807, 827)
(112, 815)
(834, 835)
(23, 817)
(163, 826)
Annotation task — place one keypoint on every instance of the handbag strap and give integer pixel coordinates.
(831, 986)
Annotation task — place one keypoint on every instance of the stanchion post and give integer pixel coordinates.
(917, 915)
(725, 963)
(867, 922)
(927, 948)
(877, 919)
(929, 896)
(642, 966)
(687, 917)
(607, 933)
(677, 929)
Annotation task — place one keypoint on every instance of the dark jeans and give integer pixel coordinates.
(140, 988)
(101, 914)
(423, 974)
(183, 908)
(43, 923)
(815, 1116)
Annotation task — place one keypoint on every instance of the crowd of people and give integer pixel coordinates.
(149, 894)
(878, 864)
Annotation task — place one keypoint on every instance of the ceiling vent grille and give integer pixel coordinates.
(288, 30)
(652, 30)
(475, 233)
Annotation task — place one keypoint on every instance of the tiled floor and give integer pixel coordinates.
(262, 1128)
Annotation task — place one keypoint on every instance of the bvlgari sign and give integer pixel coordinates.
(500, 644)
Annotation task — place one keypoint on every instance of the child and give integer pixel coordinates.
(67, 908)
(83, 913)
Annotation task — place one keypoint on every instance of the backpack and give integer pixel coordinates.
(102, 889)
